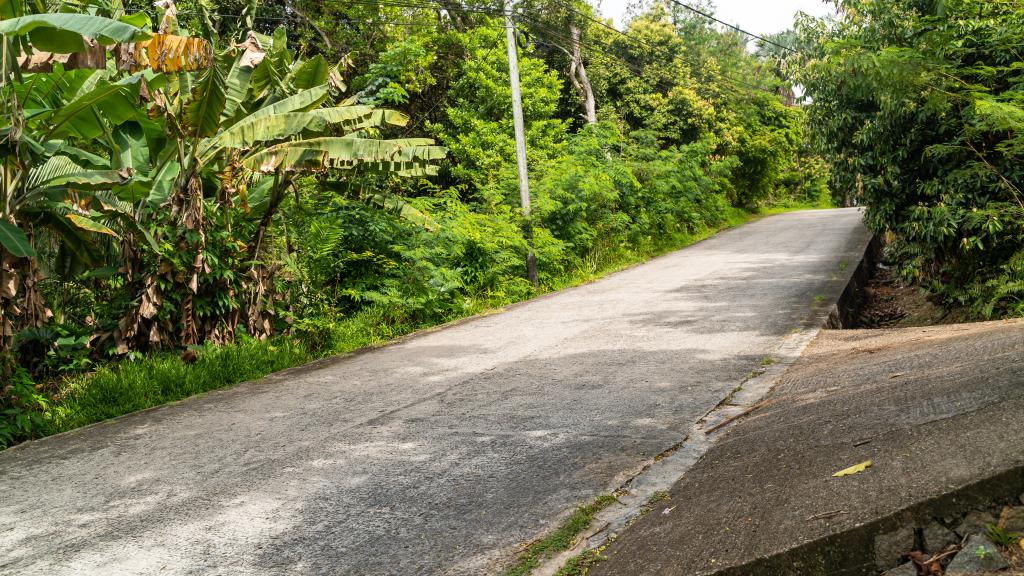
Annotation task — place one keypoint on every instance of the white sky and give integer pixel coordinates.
(757, 16)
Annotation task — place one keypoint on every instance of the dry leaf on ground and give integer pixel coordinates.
(853, 469)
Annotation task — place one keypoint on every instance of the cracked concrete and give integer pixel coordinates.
(440, 454)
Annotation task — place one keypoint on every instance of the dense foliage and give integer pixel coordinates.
(919, 107)
(273, 192)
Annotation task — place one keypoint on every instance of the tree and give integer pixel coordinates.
(143, 157)
(918, 107)
(38, 159)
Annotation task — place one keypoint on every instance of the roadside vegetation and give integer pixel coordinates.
(918, 106)
(564, 538)
(202, 194)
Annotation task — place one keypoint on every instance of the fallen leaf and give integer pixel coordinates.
(1021, 543)
(853, 469)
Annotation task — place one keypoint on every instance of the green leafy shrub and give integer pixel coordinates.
(54, 349)
(22, 409)
(766, 147)
(402, 68)
(584, 194)
(478, 127)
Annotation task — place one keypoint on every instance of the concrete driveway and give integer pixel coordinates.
(441, 454)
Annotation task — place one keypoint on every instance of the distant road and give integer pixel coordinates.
(437, 455)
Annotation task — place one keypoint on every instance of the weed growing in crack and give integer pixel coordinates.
(561, 539)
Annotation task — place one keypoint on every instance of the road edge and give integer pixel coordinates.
(329, 361)
(636, 495)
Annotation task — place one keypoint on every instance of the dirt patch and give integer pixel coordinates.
(888, 302)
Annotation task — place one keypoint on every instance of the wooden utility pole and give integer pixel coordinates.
(517, 122)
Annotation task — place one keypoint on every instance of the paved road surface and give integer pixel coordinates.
(438, 455)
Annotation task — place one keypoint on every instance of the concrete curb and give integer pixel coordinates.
(843, 313)
(851, 552)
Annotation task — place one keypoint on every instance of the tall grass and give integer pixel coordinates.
(139, 384)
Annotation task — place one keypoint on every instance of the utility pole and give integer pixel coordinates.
(517, 122)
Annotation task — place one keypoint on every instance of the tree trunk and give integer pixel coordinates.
(456, 12)
(277, 194)
(192, 219)
(9, 311)
(261, 277)
(578, 76)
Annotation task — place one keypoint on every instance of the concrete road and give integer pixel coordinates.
(437, 455)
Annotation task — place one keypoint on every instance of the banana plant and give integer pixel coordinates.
(234, 139)
(60, 33)
(41, 110)
(48, 183)
(136, 156)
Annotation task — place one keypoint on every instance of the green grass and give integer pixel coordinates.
(660, 494)
(791, 206)
(579, 565)
(630, 257)
(129, 386)
(561, 539)
(139, 384)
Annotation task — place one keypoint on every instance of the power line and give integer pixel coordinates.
(566, 5)
(633, 65)
(604, 50)
(736, 28)
(429, 5)
(497, 11)
(423, 5)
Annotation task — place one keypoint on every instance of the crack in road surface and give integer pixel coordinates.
(374, 463)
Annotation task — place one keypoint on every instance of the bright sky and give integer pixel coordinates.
(757, 16)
